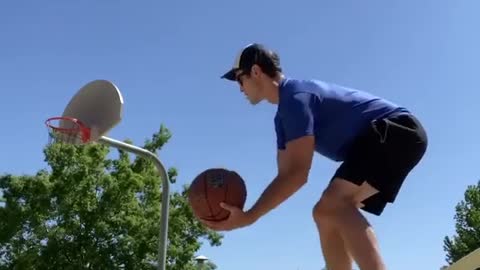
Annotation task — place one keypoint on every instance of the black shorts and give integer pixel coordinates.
(383, 155)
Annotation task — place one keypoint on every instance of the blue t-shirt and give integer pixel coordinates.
(334, 114)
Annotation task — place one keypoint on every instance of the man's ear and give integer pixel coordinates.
(256, 71)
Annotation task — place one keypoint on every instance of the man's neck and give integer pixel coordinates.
(276, 88)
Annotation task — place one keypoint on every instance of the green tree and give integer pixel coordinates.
(208, 265)
(211, 266)
(94, 211)
(467, 226)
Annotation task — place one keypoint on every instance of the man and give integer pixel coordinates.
(377, 141)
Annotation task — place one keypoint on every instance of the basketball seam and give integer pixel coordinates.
(226, 191)
(224, 198)
(206, 195)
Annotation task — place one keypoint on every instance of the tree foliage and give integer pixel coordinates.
(467, 226)
(94, 211)
(208, 265)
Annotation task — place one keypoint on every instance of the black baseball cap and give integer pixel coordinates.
(250, 55)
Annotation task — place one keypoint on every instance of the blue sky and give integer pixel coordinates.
(166, 57)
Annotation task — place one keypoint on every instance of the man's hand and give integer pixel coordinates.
(294, 165)
(237, 219)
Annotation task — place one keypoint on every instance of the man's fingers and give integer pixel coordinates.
(207, 222)
(227, 207)
(204, 222)
(211, 224)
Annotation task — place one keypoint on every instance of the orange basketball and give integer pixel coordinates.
(213, 186)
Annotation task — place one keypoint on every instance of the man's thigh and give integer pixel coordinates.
(349, 192)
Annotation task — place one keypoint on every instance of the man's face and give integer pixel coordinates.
(250, 86)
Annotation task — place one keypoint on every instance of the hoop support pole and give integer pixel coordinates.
(162, 246)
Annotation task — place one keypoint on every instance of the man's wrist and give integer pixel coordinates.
(253, 215)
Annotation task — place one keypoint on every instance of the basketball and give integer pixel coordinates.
(213, 186)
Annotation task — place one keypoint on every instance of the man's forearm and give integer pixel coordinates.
(280, 189)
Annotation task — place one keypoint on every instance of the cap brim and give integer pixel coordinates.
(230, 75)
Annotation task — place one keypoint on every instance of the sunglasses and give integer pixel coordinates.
(238, 77)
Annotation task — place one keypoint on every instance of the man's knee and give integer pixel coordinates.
(320, 210)
(340, 194)
(328, 206)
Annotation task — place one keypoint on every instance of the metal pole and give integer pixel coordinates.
(162, 247)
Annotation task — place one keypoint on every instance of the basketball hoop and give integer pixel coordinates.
(67, 130)
(90, 114)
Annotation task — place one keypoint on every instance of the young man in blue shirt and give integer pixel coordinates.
(377, 141)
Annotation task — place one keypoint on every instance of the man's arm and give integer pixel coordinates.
(293, 168)
(296, 143)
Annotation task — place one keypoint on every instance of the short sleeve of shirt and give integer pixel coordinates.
(296, 117)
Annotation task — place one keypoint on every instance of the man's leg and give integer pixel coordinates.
(344, 231)
(378, 157)
(333, 247)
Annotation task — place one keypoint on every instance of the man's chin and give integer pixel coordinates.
(254, 101)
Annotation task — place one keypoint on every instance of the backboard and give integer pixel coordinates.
(98, 104)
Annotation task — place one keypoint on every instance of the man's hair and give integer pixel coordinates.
(268, 61)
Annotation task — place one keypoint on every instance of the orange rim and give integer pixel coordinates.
(78, 129)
